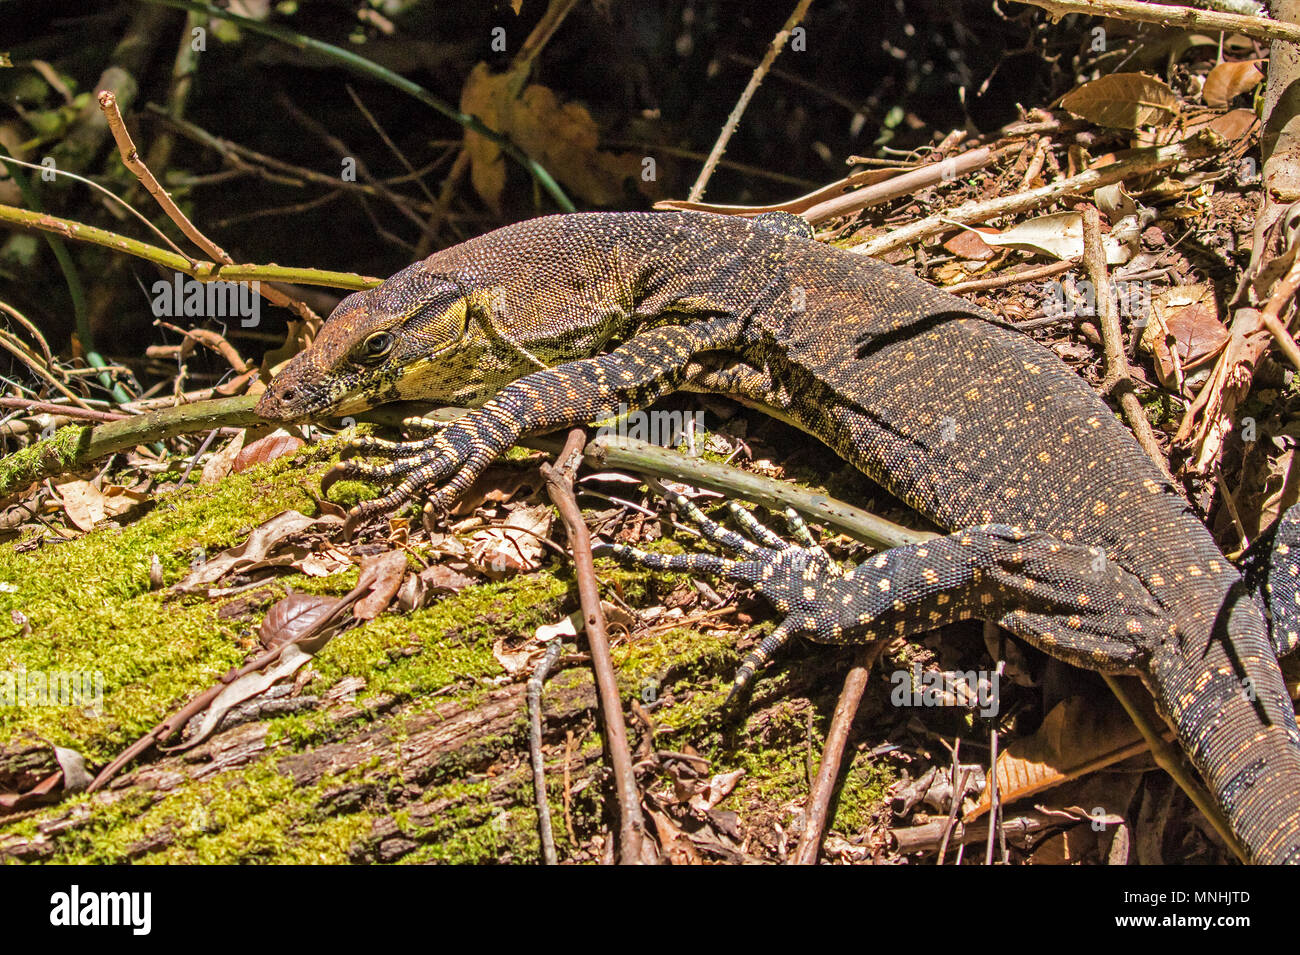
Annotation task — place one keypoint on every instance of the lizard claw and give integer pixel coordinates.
(335, 474)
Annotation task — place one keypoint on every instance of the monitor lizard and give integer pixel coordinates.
(1063, 531)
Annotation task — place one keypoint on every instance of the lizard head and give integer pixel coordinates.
(410, 337)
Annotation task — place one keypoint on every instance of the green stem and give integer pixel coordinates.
(202, 270)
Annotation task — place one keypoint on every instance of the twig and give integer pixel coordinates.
(1118, 380)
(1261, 28)
(904, 184)
(131, 159)
(828, 772)
(615, 451)
(958, 794)
(308, 640)
(1171, 761)
(719, 147)
(534, 696)
(559, 484)
(203, 271)
(69, 411)
(1012, 278)
(53, 457)
(968, 213)
(1270, 317)
(72, 447)
(994, 804)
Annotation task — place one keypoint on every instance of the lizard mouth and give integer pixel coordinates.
(292, 403)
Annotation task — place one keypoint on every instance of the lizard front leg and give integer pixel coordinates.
(636, 373)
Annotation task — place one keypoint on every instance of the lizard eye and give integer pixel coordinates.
(375, 347)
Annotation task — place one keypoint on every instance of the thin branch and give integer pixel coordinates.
(534, 695)
(131, 159)
(719, 147)
(559, 484)
(1262, 28)
(1118, 381)
(1141, 161)
(828, 772)
(203, 271)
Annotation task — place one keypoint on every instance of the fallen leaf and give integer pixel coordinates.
(295, 618)
(967, 244)
(219, 465)
(418, 590)
(324, 563)
(383, 573)
(1227, 81)
(1060, 235)
(718, 788)
(513, 547)
(253, 552)
(1123, 101)
(275, 445)
(245, 688)
(1184, 331)
(1079, 736)
(87, 505)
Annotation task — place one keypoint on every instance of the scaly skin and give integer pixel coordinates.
(1065, 532)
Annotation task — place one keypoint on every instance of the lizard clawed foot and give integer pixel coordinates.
(787, 574)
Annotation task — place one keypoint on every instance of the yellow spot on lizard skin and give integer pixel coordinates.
(883, 583)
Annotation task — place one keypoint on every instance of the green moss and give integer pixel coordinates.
(43, 458)
(89, 605)
(90, 608)
(261, 816)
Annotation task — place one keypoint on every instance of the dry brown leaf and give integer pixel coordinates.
(254, 551)
(1227, 81)
(383, 573)
(562, 137)
(515, 546)
(87, 505)
(245, 688)
(1123, 101)
(968, 245)
(219, 465)
(434, 581)
(293, 618)
(324, 563)
(275, 445)
(718, 788)
(1184, 331)
(1080, 735)
(1235, 123)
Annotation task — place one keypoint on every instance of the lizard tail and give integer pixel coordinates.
(1228, 703)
